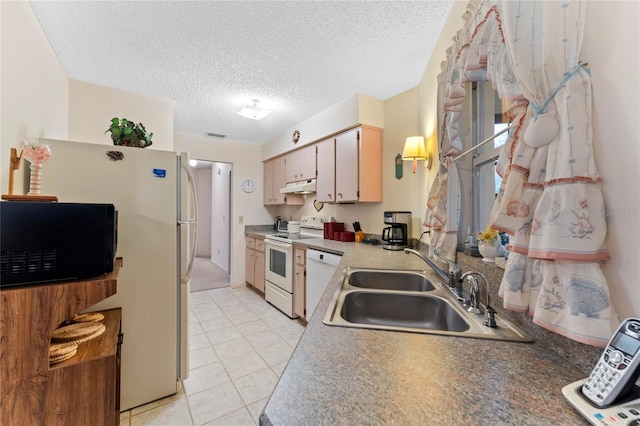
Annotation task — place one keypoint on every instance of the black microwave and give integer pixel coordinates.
(47, 242)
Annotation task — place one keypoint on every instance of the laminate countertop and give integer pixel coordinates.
(349, 376)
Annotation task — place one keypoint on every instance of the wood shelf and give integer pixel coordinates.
(27, 319)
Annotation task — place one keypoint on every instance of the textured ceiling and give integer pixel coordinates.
(212, 57)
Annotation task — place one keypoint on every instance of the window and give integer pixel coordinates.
(487, 119)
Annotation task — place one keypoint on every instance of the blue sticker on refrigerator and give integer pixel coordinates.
(161, 173)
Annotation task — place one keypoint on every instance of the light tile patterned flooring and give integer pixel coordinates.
(239, 346)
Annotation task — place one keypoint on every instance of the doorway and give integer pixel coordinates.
(212, 263)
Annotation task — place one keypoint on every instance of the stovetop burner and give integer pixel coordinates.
(291, 237)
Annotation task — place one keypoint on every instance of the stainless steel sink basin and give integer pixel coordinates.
(409, 301)
(390, 280)
(402, 310)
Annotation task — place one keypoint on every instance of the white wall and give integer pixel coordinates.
(220, 212)
(91, 108)
(34, 87)
(354, 110)
(611, 46)
(246, 161)
(202, 177)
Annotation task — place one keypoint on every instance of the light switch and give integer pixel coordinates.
(240, 219)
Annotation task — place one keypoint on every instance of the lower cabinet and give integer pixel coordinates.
(300, 282)
(82, 390)
(86, 388)
(254, 266)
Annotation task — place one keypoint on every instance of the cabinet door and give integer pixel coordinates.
(301, 164)
(307, 163)
(300, 254)
(279, 180)
(347, 167)
(326, 182)
(258, 266)
(249, 272)
(291, 167)
(299, 290)
(370, 153)
(268, 183)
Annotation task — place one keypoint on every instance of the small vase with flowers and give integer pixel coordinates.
(490, 245)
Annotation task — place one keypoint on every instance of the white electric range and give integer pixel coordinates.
(279, 261)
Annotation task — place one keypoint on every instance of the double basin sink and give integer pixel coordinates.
(410, 301)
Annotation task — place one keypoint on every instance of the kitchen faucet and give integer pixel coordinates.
(474, 293)
(453, 277)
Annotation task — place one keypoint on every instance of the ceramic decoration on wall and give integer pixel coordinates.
(318, 205)
(398, 166)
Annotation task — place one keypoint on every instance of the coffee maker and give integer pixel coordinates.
(397, 235)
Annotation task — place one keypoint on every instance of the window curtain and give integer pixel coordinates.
(550, 200)
(442, 214)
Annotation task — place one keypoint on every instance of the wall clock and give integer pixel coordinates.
(248, 185)
(296, 136)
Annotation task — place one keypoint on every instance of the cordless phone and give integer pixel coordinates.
(618, 367)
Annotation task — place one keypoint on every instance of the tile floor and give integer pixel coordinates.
(239, 345)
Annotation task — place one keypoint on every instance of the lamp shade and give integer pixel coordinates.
(414, 149)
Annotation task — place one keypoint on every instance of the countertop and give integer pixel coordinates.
(349, 376)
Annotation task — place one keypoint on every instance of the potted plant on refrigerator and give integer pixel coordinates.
(128, 133)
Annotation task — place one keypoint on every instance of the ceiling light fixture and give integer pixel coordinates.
(253, 112)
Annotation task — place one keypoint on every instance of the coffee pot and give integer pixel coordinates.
(397, 235)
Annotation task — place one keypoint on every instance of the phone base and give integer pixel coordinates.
(623, 412)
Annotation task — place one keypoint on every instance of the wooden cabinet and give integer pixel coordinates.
(259, 265)
(326, 179)
(357, 167)
(301, 164)
(82, 390)
(86, 388)
(300, 282)
(254, 268)
(274, 180)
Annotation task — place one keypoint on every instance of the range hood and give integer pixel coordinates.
(302, 187)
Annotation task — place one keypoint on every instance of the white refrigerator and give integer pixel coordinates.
(154, 194)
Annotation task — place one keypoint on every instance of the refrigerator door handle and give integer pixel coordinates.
(193, 222)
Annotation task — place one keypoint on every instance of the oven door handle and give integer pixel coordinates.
(278, 244)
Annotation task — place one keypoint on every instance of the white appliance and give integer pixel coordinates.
(320, 269)
(154, 194)
(279, 275)
(279, 261)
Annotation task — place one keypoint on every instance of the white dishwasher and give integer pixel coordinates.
(320, 269)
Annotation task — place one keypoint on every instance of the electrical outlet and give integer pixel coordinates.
(241, 219)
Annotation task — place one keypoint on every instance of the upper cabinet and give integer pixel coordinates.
(301, 164)
(350, 167)
(326, 182)
(274, 180)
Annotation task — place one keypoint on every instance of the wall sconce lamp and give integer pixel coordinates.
(414, 150)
